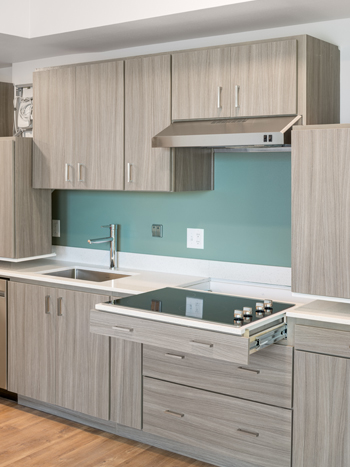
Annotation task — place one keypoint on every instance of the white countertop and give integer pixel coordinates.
(323, 311)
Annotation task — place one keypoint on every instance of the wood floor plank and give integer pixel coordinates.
(29, 438)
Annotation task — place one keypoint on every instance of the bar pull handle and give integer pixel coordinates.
(122, 328)
(251, 433)
(237, 87)
(129, 173)
(249, 369)
(47, 304)
(219, 96)
(203, 344)
(59, 306)
(175, 414)
(66, 177)
(173, 355)
(80, 179)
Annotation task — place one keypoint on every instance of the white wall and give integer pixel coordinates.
(15, 18)
(336, 32)
(6, 75)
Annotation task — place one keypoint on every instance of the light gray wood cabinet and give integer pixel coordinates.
(52, 355)
(79, 127)
(25, 212)
(274, 77)
(321, 434)
(320, 201)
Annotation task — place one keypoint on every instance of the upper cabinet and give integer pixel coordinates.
(79, 127)
(201, 84)
(297, 75)
(264, 79)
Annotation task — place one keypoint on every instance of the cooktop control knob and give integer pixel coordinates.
(238, 314)
(268, 304)
(259, 306)
(247, 311)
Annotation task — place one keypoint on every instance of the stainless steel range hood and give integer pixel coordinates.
(227, 133)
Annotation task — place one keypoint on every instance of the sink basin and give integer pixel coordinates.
(87, 275)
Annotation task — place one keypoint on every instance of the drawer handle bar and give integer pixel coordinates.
(205, 344)
(252, 433)
(173, 355)
(59, 306)
(121, 328)
(219, 97)
(236, 96)
(248, 369)
(176, 414)
(47, 304)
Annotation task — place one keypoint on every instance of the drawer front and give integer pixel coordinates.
(267, 378)
(250, 432)
(321, 340)
(179, 338)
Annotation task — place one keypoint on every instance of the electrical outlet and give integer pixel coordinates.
(195, 238)
(157, 230)
(56, 228)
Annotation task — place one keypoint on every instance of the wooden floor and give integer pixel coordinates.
(29, 438)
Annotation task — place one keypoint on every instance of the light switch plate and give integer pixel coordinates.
(195, 238)
(56, 228)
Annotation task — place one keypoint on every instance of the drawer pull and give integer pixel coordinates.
(176, 414)
(248, 369)
(252, 433)
(203, 344)
(121, 328)
(173, 355)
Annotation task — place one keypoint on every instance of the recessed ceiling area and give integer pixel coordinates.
(214, 21)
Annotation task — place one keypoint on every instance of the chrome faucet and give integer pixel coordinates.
(113, 229)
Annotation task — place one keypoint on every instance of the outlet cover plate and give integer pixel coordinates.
(56, 228)
(157, 230)
(195, 238)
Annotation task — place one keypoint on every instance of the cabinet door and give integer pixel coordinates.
(264, 79)
(99, 150)
(31, 341)
(201, 84)
(147, 112)
(321, 411)
(320, 203)
(82, 358)
(7, 199)
(54, 128)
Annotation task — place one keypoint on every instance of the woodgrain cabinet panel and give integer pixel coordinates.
(252, 434)
(322, 340)
(201, 84)
(7, 199)
(321, 435)
(320, 199)
(6, 109)
(264, 78)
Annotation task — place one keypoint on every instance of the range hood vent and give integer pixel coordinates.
(227, 133)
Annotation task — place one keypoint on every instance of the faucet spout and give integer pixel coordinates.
(112, 241)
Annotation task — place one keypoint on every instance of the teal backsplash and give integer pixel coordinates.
(246, 219)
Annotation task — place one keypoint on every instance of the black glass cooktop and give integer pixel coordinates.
(203, 306)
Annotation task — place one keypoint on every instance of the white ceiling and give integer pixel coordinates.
(250, 16)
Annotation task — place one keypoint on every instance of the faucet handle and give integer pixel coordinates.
(109, 226)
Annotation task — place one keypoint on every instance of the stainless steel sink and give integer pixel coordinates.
(87, 275)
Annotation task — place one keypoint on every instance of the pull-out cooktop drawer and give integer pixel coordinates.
(201, 342)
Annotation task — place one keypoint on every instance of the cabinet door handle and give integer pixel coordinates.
(67, 179)
(176, 414)
(173, 355)
(123, 329)
(251, 433)
(47, 305)
(237, 87)
(203, 344)
(129, 173)
(249, 369)
(80, 179)
(59, 306)
(219, 96)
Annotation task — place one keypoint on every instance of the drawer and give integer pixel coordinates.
(204, 343)
(253, 433)
(321, 340)
(267, 378)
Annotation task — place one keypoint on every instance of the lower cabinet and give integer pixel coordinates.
(321, 436)
(52, 355)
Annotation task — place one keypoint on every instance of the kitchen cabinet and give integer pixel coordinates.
(25, 212)
(321, 399)
(53, 357)
(320, 199)
(6, 109)
(79, 127)
(275, 77)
